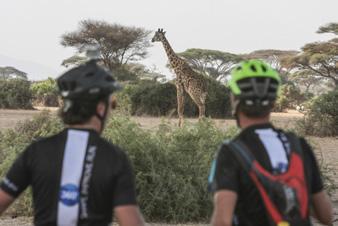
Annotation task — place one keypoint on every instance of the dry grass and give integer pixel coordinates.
(326, 148)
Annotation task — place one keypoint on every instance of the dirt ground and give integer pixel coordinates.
(326, 148)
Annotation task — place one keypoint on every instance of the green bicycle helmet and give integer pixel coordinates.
(254, 85)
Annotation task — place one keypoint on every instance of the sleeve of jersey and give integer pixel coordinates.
(124, 192)
(224, 172)
(316, 183)
(17, 178)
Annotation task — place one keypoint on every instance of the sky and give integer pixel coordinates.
(31, 29)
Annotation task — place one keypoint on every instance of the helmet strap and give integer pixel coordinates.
(235, 106)
(236, 116)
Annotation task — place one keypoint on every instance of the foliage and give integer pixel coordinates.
(319, 57)
(15, 93)
(322, 117)
(13, 142)
(134, 71)
(74, 60)
(11, 72)
(306, 79)
(213, 63)
(329, 28)
(156, 99)
(289, 97)
(45, 92)
(150, 98)
(171, 167)
(118, 44)
(143, 72)
(171, 164)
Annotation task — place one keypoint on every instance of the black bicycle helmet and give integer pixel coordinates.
(87, 81)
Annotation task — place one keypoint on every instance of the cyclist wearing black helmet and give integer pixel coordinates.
(264, 176)
(77, 177)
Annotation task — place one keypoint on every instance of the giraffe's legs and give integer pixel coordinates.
(201, 105)
(180, 103)
(201, 108)
(200, 102)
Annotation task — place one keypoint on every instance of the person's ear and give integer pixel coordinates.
(113, 102)
(100, 108)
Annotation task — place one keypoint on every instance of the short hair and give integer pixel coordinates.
(80, 111)
(255, 111)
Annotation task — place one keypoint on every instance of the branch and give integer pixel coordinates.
(122, 55)
(317, 71)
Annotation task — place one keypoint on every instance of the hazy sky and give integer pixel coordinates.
(31, 29)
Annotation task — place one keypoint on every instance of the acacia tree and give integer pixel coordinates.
(213, 63)
(329, 28)
(12, 72)
(74, 60)
(117, 44)
(321, 58)
(306, 79)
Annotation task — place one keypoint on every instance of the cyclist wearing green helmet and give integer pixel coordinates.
(254, 86)
(264, 176)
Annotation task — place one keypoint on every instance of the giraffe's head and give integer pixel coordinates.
(159, 35)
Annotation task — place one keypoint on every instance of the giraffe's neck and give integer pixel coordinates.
(173, 58)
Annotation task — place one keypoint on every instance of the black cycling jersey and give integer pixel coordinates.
(270, 147)
(77, 178)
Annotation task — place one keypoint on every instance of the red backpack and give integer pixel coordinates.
(285, 195)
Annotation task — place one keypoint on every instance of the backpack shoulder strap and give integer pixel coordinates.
(295, 143)
(242, 153)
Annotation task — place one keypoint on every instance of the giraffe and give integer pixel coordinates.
(187, 80)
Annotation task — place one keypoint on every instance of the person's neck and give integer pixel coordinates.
(247, 122)
(92, 124)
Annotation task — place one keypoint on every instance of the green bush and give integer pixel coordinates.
(171, 164)
(15, 93)
(45, 93)
(322, 117)
(125, 74)
(14, 141)
(290, 96)
(152, 98)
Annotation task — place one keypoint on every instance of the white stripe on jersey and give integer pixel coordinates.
(72, 168)
(275, 149)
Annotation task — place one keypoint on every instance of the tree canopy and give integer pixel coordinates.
(12, 72)
(320, 58)
(117, 44)
(73, 60)
(213, 63)
(329, 28)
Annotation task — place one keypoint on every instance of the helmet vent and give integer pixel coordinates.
(265, 102)
(249, 102)
(109, 79)
(72, 85)
(253, 68)
(239, 68)
(94, 90)
(90, 74)
(264, 68)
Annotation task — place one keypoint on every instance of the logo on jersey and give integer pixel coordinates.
(69, 195)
